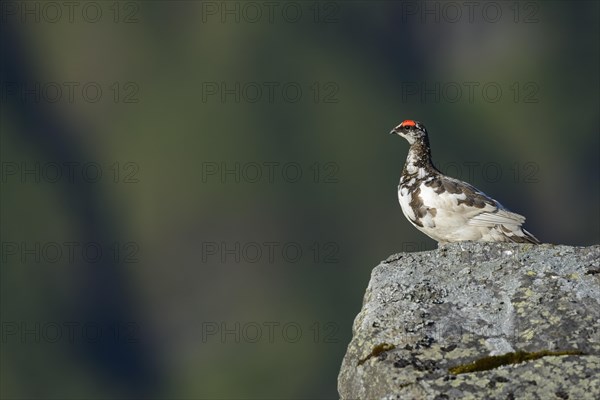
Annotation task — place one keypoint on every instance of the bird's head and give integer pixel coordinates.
(412, 131)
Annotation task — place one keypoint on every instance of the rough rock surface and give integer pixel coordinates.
(528, 315)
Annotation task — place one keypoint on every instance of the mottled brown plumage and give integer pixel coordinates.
(447, 209)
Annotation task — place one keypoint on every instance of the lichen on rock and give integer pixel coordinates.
(491, 320)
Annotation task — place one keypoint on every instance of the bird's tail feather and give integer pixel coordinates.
(526, 237)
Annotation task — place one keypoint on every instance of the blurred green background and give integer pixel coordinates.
(248, 183)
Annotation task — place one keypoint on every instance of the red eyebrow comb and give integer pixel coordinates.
(408, 122)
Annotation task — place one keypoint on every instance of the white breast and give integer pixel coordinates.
(404, 197)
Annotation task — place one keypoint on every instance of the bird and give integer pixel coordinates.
(446, 209)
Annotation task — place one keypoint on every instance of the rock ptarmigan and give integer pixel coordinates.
(447, 209)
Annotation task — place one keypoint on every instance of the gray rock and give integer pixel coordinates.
(479, 320)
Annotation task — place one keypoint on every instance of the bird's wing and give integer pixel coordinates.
(493, 215)
(481, 209)
(499, 216)
(458, 203)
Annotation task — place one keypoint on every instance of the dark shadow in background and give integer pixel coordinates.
(102, 297)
